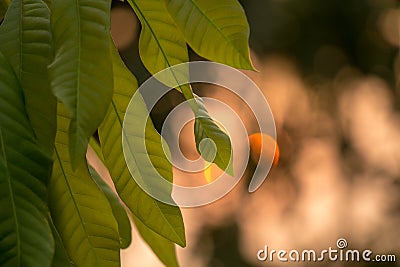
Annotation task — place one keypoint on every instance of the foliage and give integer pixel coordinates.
(61, 80)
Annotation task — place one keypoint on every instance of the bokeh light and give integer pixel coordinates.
(330, 72)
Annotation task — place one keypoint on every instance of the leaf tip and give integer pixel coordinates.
(249, 64)
(182, 242)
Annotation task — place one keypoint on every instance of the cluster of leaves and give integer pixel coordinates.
(61, 80)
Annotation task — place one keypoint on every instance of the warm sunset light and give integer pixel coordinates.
(212, 172)
(145, 133)
(263, 146)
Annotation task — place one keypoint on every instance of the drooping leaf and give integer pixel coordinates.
(216, 30)
(162, 247)
(60, 258)
(163, 219)
(81, 212)
(25, 234)
(161, 46)
(81, 73)
(124, 225)
(25, 40)
(211, 142)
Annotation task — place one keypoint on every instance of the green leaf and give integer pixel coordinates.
(162, 247)
(161, 44)
(25, 234)
(81, 73)
(81, 212)
(164, 219)
(216, 30)
(124, 225)
(25, 40)
(219, 151)
(60, 258)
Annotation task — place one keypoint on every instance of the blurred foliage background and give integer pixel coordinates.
(330, 71)
(323, 36)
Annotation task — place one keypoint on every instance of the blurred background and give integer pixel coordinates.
(330, 71)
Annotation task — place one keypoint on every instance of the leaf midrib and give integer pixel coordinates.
(187, 93)
(75, 204)
(78, 76)
(154, 201)
(151, 30)
(208, 136)
(10, 188)
(219, 30)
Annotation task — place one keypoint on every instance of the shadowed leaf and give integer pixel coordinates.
(25, 40)
(25, 234)
(81, 73)
(163, 219)
(124, 225)
(81, 212)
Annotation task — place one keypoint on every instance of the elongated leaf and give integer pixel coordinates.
(162, 46)
(124, 225)
(25, 235)
(81, 74)
(80, 210)
(219, 151)
(25, 40)
(60, 258)
(164, 219)
(162, 247)
(216, 30)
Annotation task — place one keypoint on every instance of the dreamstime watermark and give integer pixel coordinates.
(135, 125)
(340, 253)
